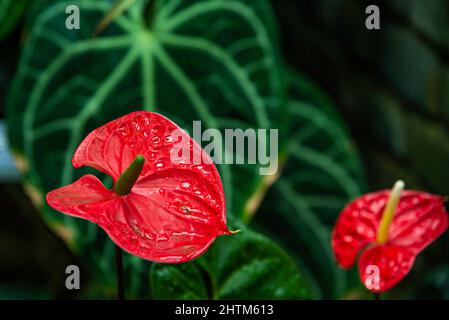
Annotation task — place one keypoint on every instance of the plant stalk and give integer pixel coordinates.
(119, 273)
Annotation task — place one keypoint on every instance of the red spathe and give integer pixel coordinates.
(174, 210)
(419, 219)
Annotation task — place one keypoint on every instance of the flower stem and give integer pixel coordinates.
(117, 9)
(389, 211)
(128, 178)
(376, 296)
(119, 273)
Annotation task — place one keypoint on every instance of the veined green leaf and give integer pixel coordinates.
(321, 174)
(10, 13)
(244, 266)
(68, 83)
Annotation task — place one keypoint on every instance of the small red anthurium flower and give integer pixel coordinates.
(159, 210)
(389, 228)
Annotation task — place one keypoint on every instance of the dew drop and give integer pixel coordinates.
(148, 236)
(185, 184)
(153, 156)
(156, 142)
(146, 120)
(161, 238)
(136, 125)
(122, 131)
(168, 139)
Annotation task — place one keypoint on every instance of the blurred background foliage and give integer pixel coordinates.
(356, 110)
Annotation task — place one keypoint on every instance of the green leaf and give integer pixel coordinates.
(119, 7)
(417, 148)
(430, 18)
(10, 13)
(243, 266)
(68, 83)
(180, 282)
(321, 174)
(12, 293)
(398, 64)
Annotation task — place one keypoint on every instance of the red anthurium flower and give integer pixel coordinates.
(389, 229)
(160, 210)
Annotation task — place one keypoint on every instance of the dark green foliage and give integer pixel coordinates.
(392, 86)
(248, 266)
(159, 56)
(10, 13)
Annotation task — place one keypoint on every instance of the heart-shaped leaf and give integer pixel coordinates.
(156, 56)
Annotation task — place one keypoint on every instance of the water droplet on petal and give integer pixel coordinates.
(156, 142)
(185, 184)
(168, 139)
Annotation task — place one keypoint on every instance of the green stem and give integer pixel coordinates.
(128, 178)
(119, 273)
(119, 7)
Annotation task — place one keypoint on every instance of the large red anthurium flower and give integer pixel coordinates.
(389, 228)
(159, 209)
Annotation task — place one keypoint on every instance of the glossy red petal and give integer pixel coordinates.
(112, 147)
(176, 208)
(170, 216)
(157, 228)
(86, 198)
(383, 266)
(357, 227)
(420, 218)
